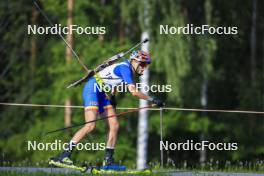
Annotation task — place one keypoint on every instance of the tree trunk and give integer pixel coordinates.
(33, 49)
(262, 85)
(101, 36)
(121, 31)
(204, 100)
(68, 110)
(253, 41)
(142, 143)
(208, 8)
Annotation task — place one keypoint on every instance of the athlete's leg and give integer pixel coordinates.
(91, 103)
(90, 97)
(90, 114)
(113, 125)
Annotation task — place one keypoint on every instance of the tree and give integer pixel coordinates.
(68, 110)
(144, 81)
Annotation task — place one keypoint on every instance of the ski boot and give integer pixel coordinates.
(66, 162)
(63, 159)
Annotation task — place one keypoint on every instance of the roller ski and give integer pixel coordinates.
(66, 162)
(109, 167)
(120, 170)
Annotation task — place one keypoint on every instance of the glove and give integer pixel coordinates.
(158, 102)
(113, 101)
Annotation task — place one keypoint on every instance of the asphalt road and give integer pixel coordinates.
(169, 173)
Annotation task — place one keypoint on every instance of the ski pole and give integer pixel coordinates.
(111, 116)
(64, 40)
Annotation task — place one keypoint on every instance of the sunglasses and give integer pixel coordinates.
(143, 64)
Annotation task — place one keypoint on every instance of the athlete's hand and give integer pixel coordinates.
(158, 102)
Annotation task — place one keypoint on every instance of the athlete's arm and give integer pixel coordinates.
(126, 73)
(132, 89)
(141, 95)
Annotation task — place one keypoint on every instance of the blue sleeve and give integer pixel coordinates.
(125, 73)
